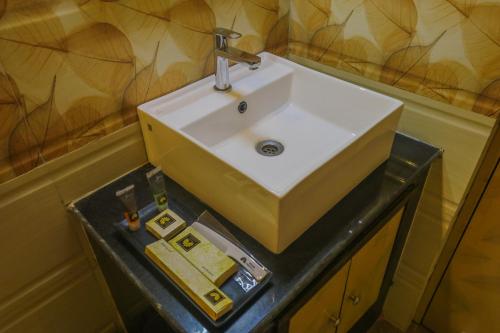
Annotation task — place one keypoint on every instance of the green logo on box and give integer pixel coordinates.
(188, 242)
(164, 221)
(214, 297)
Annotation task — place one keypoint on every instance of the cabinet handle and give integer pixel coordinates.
(355, 299)
(334, 320)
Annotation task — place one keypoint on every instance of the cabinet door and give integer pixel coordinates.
(366, 274)
(320, 314)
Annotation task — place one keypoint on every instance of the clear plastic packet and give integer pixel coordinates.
(251, 272)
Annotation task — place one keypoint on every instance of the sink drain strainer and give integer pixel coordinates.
(269, 148)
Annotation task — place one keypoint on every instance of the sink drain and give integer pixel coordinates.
(269, 148)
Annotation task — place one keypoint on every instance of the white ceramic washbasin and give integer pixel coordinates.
(334, 134)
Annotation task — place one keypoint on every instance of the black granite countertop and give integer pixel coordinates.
(294, 269)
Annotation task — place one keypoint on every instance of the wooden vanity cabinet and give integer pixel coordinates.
(366, 273)
(346, 297)
(322, 312)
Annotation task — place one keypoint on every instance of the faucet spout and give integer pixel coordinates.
(224, 53)
(238, 55)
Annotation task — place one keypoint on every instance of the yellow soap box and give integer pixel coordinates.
(203, 255)
(204, 293)
(165, 225)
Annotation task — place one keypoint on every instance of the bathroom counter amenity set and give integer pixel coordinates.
(187, 259)
(258, 304)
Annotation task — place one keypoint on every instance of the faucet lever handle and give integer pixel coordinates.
(227, 33)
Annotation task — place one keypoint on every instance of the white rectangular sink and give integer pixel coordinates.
(333, 133)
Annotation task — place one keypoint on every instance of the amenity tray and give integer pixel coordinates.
(139, 239)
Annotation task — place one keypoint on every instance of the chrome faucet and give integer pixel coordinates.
(224, 53)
